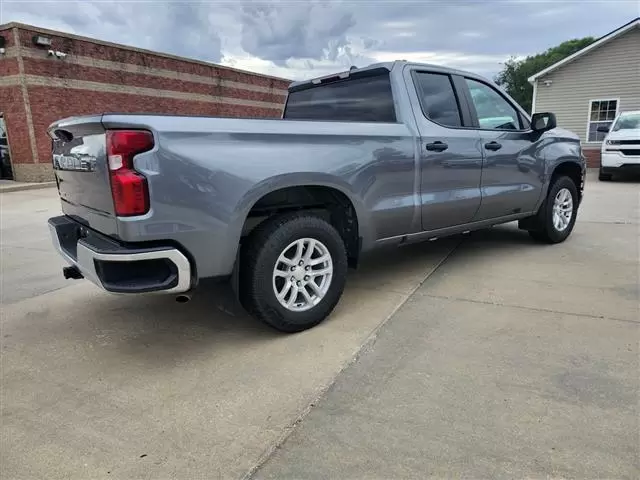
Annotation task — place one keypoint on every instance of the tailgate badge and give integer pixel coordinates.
(79, 163)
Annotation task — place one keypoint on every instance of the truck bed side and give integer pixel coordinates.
(205, 174)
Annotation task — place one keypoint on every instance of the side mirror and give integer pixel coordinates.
(603, 129)
(541, 122)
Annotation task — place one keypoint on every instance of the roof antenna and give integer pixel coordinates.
(352, 67)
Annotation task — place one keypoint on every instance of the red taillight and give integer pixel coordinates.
(128, 188)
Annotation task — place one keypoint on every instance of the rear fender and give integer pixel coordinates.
(293, 180)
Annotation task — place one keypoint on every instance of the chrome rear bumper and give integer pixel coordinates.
(117, 268)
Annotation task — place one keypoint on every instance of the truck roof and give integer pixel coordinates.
(363, 71)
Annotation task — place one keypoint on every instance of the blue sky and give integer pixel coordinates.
(301, 39)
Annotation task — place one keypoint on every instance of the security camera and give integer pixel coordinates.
(547, 83)
(2, 51)
(56, 53)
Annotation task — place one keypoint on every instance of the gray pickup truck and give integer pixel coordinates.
(388, 154)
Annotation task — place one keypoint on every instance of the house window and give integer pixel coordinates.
(601, 113)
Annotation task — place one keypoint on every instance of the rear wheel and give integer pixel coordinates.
(293, 271)
(557, 215)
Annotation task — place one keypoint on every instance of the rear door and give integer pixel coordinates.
(357, 130)
(513, 168)
(81, 172)
(450, 155)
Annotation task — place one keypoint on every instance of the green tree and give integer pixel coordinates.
(514, 74)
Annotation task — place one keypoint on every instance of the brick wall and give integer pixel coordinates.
(593, 157)
(61, 69)
(8, 66)
(6, 32)
(15, 117)
(84, 47)
(51, 104)
(98, 77)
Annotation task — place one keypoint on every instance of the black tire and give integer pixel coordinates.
(542, 227)
(604, 177)
(258, 260)
(537, 236)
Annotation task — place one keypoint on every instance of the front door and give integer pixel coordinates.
(513, 169)
(450, 155)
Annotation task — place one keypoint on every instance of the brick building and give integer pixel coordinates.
(47, 75)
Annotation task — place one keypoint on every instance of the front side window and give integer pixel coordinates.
(438, 98)
(493, 110)
(601, 114)
(627, 121)
(365, 99)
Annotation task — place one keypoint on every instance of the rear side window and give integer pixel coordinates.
(367, 99)
(438, 98)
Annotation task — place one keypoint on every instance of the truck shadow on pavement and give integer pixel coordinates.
(160, 328)
(629, 178)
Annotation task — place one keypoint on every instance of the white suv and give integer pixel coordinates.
(621, 147)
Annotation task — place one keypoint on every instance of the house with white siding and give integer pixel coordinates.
(589, 88)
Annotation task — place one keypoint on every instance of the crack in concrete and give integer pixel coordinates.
(546, 310)
(366, 345)
(608, 223)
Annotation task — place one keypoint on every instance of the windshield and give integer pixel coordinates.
(627, 121)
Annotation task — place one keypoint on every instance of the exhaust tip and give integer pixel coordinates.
(71, 273)
(183, 298)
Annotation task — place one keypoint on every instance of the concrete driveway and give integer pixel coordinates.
(101, 386)
(513, 360)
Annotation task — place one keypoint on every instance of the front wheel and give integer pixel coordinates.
(293, 271)
(557, 215)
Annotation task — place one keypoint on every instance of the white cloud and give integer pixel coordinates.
(404, 34)
(308, 38)
(463, 61)
(293, 69)
(399, 25)
(472, 34)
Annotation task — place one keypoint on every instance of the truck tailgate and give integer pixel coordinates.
(81, 171)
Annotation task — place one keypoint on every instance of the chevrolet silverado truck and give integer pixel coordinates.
(620, 151)
(388, 154)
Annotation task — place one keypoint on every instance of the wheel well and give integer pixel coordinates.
(571, 170)
(330, 203)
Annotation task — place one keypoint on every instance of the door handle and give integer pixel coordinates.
(437, 146)
(493, 146)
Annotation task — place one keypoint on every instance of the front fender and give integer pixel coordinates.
(558, 151)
